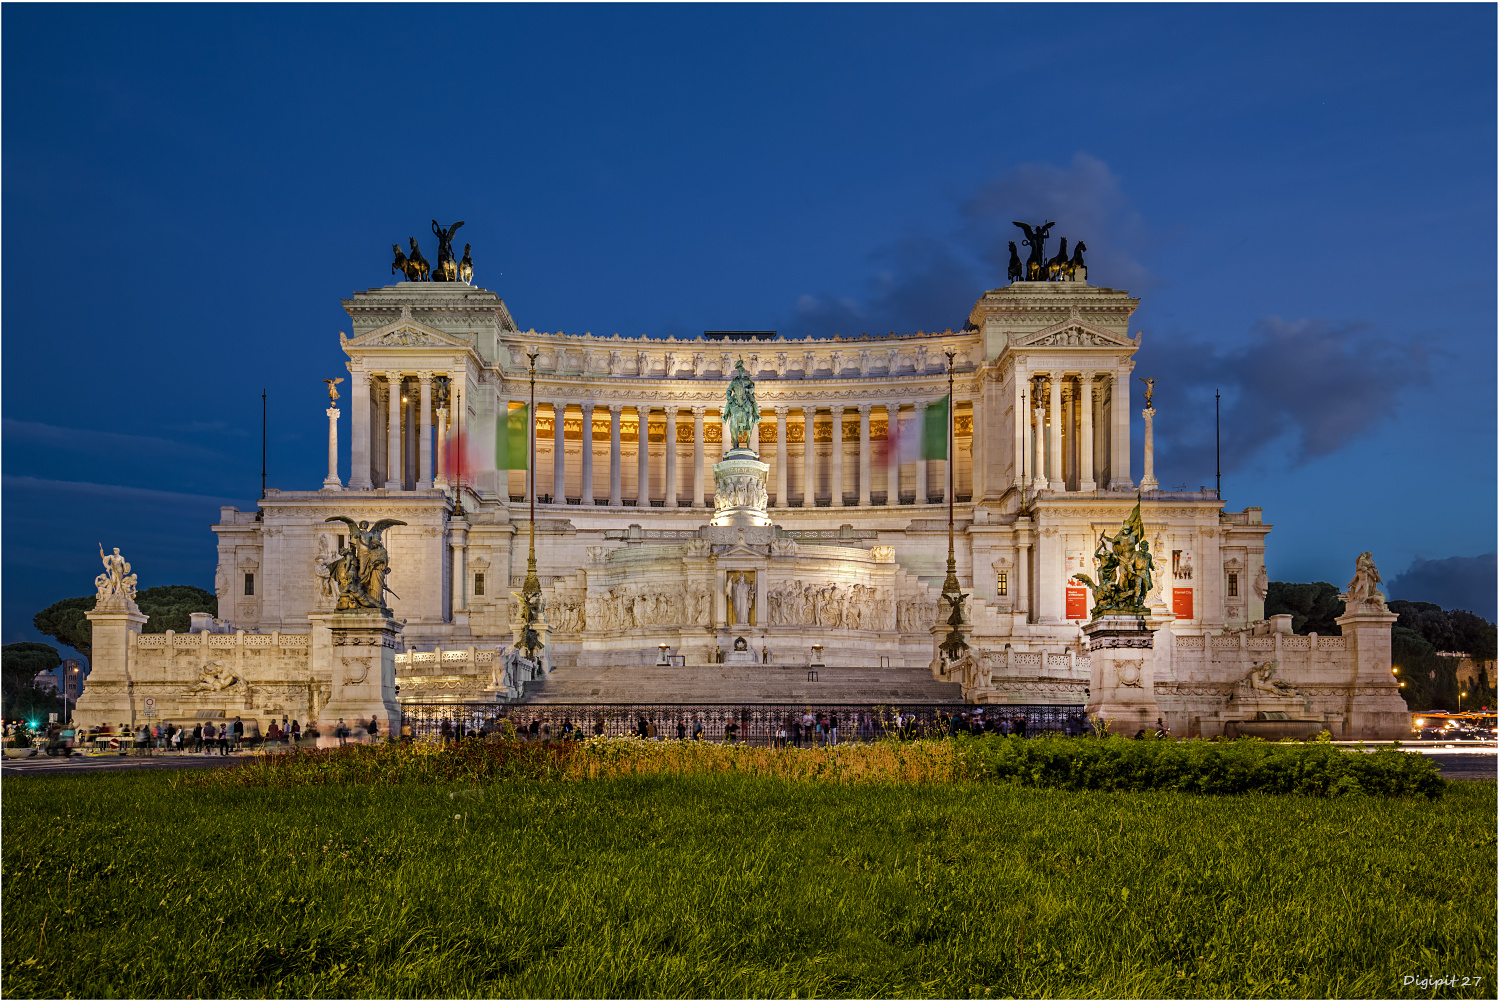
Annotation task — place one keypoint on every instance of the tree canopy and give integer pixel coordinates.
(1313, 607)
(167, 606)
(20, 663)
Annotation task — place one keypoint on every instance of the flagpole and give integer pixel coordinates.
(950, 584)
(533, 585)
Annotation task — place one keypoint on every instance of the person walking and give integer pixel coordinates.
(373, 728)
(833, 729)
(681, 729)
(599, 727)
(731, 729)
(651, 730)
(698, 728)
(341, 731)
(296, 735)
(239, 734)
(781, 735)
(177, 740)
(206, 737)
(224, 739)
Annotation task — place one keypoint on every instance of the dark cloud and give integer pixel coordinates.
(1312, 386)
(926, 282)
(1466, 582)
(1084, 199)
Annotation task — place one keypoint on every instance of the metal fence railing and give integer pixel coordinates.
(755, 724)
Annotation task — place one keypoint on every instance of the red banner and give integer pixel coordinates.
(1078, 603)
(1182, 602)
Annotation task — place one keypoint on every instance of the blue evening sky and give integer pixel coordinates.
(1302, 196)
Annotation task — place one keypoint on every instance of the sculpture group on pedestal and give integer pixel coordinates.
(416, 269)
(359, 570)
(1038, 268)
(1126, 570)
(116, 584)
(1363, 590)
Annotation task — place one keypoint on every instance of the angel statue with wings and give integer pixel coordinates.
(362, 565)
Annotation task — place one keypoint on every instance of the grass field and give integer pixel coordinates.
(737, 885)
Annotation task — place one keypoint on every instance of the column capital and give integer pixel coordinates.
(781, 412)
(615, 409)
(864, 408)
(394, 375)
(921, 405)
(698, 412)
(424, 375)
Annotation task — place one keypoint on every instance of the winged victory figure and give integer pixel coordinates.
(365, 562)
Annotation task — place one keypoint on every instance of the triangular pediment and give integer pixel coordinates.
(1073, 332)
(405, 332)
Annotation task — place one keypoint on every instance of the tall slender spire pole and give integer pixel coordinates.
(533, 584)
(950, 584)
(263, 443)
(1218, 479)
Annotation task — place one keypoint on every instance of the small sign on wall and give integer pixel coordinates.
(1182, 602)
(1078, 603)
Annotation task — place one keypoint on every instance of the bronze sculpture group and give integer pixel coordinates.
(1038, 267)
(417, 269)
(1126, 570)
(360, 568)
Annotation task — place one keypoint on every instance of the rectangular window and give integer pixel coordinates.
(1002, 584)
(249, 583)
(479, 585)
(1234, 585)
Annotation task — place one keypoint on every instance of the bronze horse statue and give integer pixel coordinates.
(1013, 273)
(417, 267)
(1036, 239)
(1057, 264)
(399, 265)
(1076, 264)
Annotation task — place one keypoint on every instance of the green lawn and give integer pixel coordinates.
(137, 885)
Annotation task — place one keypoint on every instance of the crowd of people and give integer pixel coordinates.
(210, 736)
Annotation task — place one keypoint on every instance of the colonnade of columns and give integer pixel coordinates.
(1067, 436)
(396, 431)
(660, 483)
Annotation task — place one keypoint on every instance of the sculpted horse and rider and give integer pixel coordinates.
(1040, 268)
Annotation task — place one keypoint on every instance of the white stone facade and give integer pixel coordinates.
(630, 557)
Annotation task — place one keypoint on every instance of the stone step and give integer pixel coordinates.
(720, 684)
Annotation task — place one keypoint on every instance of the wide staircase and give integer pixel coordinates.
(722, 684)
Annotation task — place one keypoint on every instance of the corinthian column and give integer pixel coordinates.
(559, 455)
(642, 458)
(917, 425)
(864, 455)
(1148, 469)
(614, 454)
(698, 413)
(359, 430)
(442, 451)
(1119, 432)
(393, 442)
(1038, 447)
(671, 498)
(781, 457)
(586, 483)
(892, 459)
(424, 430)
(837, 472)
(1054, 434)
(331, 481)
(809, 458)
(1086, 432)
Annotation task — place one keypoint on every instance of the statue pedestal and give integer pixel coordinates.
(109, 697)
(740, 490)
(362, 655)
(1122, 689)
(518, 626)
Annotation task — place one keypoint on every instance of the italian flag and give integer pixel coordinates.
(512, 443)
(924, 439)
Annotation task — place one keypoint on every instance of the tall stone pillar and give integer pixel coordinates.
(864, 455)
(1119, 432)
(559, 454)
(1086, 432)
(698, 413)
(393, 464)
(362, 651)
(1038, 447)
(109, 695)
(1019, 444)
(1054, 434)
(1375, 709)
(442, 449)
(671, 498)
(781, 457)
(615, 499)
(836, 474)
(586, 476)
(916, 429)
(1122, 686)
(1023, 568)
(892, 460)
(424, 443)
(359, 430)
(331, 481)
(458, 537)
(809, 458)
(643, 458)
(1148, 466)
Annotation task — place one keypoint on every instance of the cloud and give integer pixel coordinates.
(1313, 385)
(111, 491)
(1466, 582)
(102, 442)
(928, 282)
(1084, 199)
